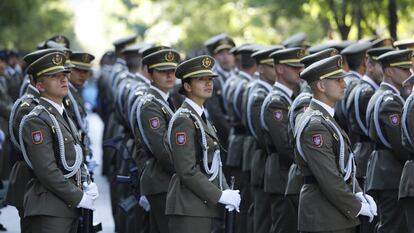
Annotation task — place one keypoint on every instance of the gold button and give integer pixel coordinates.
(66, 139)
(205, 202)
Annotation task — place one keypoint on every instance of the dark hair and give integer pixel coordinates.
(182, 89)
(355, 61)
(246, 61)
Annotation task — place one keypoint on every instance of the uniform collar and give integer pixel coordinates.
(265, 84)
(392, 87)
(121, 61)
(33, 88)
(245, 75)
(355, 74)
(164, 95)
(328, 108)
(196, 107)
(73, 87)
(369, 80)
(58, 107)
(220, 70)
(143, 78)
(284, 88)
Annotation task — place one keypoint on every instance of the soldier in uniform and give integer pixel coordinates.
(20, 174)
(280, 155)
(51, 147)
(81, 69)
(386, 162)
(406, 193)
(256, 96)
(198, 186)
(296, 110)
(356, 107)
(330, 199)
(239, 147)
(154, 113)
(355, 56)
(219, 47)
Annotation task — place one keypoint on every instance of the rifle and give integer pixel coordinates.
(231, 215)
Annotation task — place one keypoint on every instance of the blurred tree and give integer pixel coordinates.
(25, 23)
(186, 25)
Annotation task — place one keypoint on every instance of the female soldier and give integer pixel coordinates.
(198, 184)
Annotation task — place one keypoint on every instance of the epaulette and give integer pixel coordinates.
(316, 119)
(389, 98)
(365, 88)
(37, 111)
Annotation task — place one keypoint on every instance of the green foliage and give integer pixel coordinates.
(24, 23)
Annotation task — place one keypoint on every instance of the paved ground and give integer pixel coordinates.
(10, 219)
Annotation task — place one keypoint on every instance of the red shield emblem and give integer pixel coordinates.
(317, 140)
(395, 119)
(278, 115)
(154, 123)
(37, 137)
(180, 138)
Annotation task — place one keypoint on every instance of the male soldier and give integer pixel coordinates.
(355, 57)
(234, 91)
(298, 107)
(406, 194)
(256, 96)
(387, 160)
(325, 158)
(219, 47)
(50, 145)
(356, 111)
(156, 111)
(20, 174)
(275, 124)
(80, 73)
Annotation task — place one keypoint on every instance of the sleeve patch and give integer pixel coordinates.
(180, 138)
(395, 119)
(154, 123)
(37, 137)
(317, 140)
(278, 115)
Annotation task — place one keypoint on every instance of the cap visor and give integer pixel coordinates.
(64, 70)
(338, 76)
(222, 47)
(164, 68)
(295, 64)
(84, 68)
(207, 74)
(408, 66)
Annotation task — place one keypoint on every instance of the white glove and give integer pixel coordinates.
(229, 208)
(231, 197)
(367, 199)
(366, 211)
(87, 202)
(372, 204)
(144, 203)
(91, 189)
